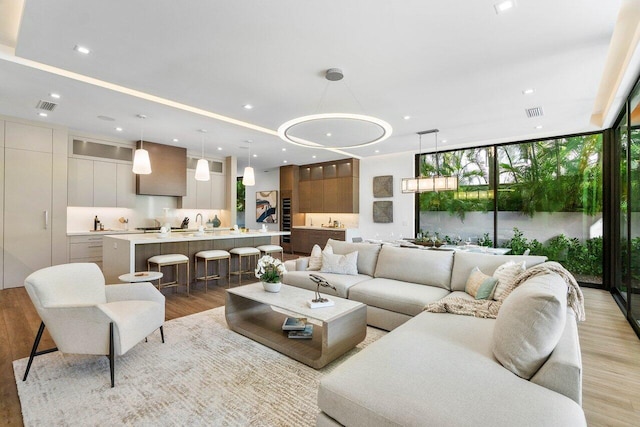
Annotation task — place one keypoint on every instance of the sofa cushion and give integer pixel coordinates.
(437, 369)
(342, 282)
(396, 296)
(425, 267)
(506, 275)
(339, 264)
(464, 262)
(479, 285)
(530, 323)
(315, 259)
(367, 254)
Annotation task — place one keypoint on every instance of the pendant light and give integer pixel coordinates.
(202, 169)
(248, 177)
(423, 184)
(141, 162)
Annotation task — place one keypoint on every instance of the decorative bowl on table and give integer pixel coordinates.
(424, 242)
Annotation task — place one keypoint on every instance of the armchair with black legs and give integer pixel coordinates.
(84, 316)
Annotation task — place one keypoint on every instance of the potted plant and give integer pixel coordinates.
(270, 270)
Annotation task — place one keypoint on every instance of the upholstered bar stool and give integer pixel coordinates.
(167, 260)
(271, 249)
(212, 255)
(248, 253)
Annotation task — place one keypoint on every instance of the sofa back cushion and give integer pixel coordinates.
(530, 323)
(425, 267)
(367, 254)
(464, 262)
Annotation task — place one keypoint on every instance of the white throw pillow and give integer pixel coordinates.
(315, 259)
(339, 264)
(506, 275)
(530, 324)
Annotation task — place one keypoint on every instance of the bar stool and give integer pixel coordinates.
(242, 253)
(170, 259)
(212, 255)
(271, 249)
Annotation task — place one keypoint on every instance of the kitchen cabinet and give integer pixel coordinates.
(100, 184)
(204, 194)
(86, 249)
(330, 187)
(35, 194)
(303, 239)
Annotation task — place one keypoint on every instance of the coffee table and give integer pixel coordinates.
(257, 314)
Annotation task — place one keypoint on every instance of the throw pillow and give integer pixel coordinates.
(530, 323)
(480, 285)
(506, 275)
(339, 264)
(315, 259)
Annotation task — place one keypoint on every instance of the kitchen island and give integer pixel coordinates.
(128, 253)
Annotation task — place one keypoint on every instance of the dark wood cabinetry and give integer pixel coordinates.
(303, 239)
(289, 203)
(331, 187)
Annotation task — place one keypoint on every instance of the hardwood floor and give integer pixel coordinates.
(610, 351)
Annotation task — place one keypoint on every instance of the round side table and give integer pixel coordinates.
(140, 276)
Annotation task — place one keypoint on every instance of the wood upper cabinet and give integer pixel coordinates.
(331, 187)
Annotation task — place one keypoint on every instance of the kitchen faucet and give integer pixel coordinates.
(199, 215)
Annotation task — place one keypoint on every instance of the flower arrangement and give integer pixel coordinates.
(269, 269)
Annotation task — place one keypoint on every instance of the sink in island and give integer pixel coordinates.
(128, 253)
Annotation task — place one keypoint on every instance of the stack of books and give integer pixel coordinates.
(298, 328)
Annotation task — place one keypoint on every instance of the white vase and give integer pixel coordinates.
(272, 287)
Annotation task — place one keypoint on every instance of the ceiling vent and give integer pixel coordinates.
(534, 112)
(46, 105)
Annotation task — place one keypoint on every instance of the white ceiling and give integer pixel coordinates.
(452, 65)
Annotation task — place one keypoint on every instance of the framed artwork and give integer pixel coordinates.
(383, 211)
(383, 186)
(267, 206)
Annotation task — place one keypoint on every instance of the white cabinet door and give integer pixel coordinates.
(203, 194)
(27, 137)
(27, 215)
(189, 201)
(125, 186)
(80, 182)
(104, 184)
(218, 191)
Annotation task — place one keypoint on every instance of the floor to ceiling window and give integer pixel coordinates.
(548, 200)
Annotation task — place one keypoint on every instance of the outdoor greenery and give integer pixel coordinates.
(240, 189)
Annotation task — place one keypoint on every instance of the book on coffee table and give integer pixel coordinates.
(294, 324)
(306, 334)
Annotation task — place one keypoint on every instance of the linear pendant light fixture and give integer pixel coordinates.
(249, 177)
(141, 162)
(435, 183)
(202, 168)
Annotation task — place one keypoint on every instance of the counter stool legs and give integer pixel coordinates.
(212, 255)
(171, 260)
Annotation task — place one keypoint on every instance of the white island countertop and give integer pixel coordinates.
(314, 227)
(146, 238)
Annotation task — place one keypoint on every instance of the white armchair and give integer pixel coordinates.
(86, 317)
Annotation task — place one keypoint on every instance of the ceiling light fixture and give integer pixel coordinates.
(503, 6)
(247, 107)
(422, 184)
(55, 95)
(406, 117)
(141, 162)
(202, 168)
(175, 140)
(118, 129)
(333, 74)
(219, 148)
(527, 91)
(81, 49)
(43, 114)
(248, 177)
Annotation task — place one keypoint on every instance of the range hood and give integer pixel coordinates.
(169, 171)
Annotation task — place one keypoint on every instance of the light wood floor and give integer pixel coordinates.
(610, 352)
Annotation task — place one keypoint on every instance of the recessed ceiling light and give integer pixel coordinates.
(444, 141)
(313, 156)
(328, 133)
(527, 91)
(284, 149)
(119, 129)
(55, 95)
(248, 141)
(43, 114)
(81, 49)
(539, 127)
(377, 151)
(175, 140)
(503, 6)
(406, 117)
(284, 161)
(255, 155)
(219, 148)
(247, 106)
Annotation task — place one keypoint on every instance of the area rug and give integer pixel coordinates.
(204, 374)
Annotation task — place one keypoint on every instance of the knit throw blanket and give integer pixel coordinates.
(489, 308)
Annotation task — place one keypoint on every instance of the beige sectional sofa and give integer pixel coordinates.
(439, 368)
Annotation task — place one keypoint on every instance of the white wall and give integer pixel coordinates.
(266, 180)
(400, 165)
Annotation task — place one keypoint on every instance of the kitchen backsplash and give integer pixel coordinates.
(318, 219)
